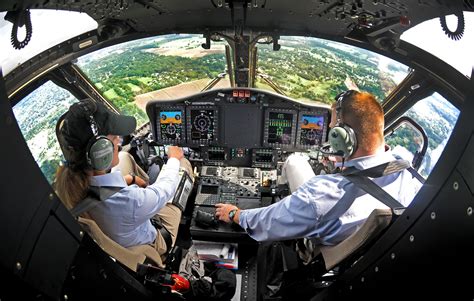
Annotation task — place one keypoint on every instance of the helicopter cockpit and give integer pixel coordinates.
(240, 93)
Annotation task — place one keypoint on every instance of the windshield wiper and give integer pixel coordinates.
(214, 81)
(271, 83)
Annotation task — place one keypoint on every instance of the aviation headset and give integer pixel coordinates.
(342, 138)
(99, 150)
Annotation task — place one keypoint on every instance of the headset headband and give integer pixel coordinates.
(339, 100)
(92, 123)
(342, 139)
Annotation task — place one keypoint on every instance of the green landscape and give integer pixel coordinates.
(305, 68)
(317, 70)
(122, 75)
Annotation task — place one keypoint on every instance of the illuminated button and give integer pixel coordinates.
(235, 93)
(247, 93)
(241, 94)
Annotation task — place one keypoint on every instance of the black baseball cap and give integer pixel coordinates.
(74, 130)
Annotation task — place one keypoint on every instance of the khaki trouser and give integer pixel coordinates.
(169, 215)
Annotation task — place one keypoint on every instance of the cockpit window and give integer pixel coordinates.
(174, 66)
(160, 68)
(457, 52)
(38, 125)
(49, 28)
(438, 117)
(313, 69)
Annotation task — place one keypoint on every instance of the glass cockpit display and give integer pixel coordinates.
(202, 125)
(170, 125)
(280, 128)
(312, 129)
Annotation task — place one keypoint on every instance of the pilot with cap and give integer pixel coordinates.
(329, 208)
(89, 135)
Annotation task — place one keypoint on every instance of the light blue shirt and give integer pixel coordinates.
(125, 216)
(302, 214)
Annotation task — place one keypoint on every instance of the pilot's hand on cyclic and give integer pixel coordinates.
(175, 152)
(222, 212)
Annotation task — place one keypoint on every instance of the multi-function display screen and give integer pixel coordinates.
(171, 125)
(202, 124)
(312, 129)
(280, 127)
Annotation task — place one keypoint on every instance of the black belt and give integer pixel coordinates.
(156, 222)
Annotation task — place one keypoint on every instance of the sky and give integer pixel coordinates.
(428, 36)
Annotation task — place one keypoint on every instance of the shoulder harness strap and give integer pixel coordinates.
(95, 195)
(360, 179)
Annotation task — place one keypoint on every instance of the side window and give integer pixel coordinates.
(37, 115)
(407, 141)
(438, 117)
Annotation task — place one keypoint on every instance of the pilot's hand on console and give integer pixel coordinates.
(175, 152)
(222, 212)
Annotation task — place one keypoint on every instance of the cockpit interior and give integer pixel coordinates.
(240, 86)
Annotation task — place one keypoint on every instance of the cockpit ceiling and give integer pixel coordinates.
(316, 17)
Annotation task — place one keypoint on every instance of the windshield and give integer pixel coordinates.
(173, 66)
(165, 67)
(314, 69)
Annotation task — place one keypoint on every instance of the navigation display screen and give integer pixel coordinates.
(280, 127)
(171, 125)
(202, 124)
(312, 129)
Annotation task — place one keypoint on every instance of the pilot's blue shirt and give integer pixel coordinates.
(304, 212)
(125, 216)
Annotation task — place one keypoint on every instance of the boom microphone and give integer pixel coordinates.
(326, 150)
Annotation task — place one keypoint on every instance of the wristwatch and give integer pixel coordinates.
(232, 214)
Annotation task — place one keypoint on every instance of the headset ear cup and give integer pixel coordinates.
(100, 153)
(342, 140)
(352, 139)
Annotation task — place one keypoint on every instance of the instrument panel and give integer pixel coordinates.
(244, 125)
